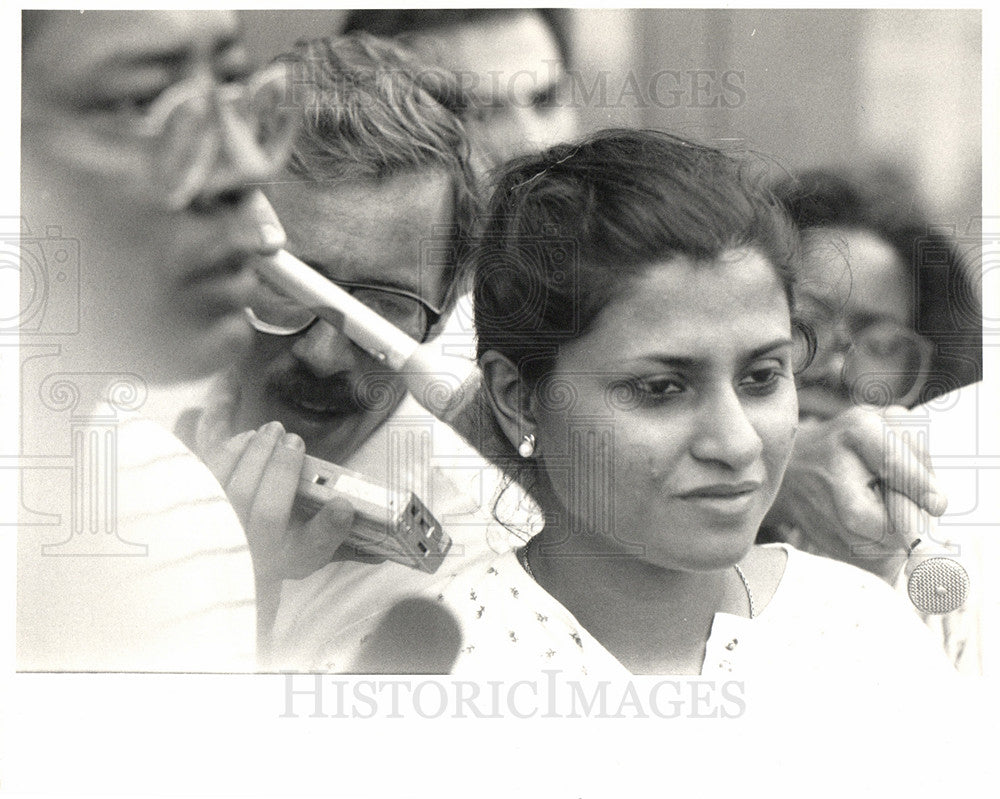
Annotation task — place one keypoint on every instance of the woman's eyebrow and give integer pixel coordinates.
(688, 362)
(764, 349)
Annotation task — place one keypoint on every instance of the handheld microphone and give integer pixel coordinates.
(417, 636)
(434, 384)
(935, 584)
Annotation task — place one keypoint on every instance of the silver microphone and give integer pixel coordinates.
(935, 584)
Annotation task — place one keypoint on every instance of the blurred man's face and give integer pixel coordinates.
(163, 273)
(318, 383)
(513, 67)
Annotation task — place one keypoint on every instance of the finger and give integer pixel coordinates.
(330, 527)
(246, 475)
(272, 503)
(901, 419)
(859, 510)
(907, 519)
(223, 457)
(877, 545)
(898, 461)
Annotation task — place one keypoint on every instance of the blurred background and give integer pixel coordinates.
(832, 87)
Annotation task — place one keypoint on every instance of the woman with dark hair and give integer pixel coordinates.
(634, 297)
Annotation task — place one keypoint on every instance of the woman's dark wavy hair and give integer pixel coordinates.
(947, 308)
(567, 230)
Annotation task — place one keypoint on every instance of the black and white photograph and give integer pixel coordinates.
(614, 387)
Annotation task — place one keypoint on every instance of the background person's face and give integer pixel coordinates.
(319, 384)
(161, 290)
(513, 67)
(681, 414)
(851, 282)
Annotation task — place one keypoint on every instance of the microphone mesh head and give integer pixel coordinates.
(938, 585)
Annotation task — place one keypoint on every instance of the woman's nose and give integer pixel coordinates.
(725, 433)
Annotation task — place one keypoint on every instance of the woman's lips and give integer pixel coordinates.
(724, 498)
(723, 489)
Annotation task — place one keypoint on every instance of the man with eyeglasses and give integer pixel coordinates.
(379, 197)
(145, 139)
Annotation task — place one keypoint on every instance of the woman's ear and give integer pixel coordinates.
(508, 396)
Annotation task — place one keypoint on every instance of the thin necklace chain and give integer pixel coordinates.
(746, 585)
(522, 557)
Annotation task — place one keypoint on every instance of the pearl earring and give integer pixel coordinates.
(527, 446)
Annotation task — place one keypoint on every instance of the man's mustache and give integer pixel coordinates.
(343, 392)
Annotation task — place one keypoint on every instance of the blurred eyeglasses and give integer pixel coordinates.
(278, 315)
(196, 124)
(883, 359)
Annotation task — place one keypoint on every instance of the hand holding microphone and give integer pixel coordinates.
(936, 583)
(860, 489)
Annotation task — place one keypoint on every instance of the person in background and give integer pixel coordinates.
(512, 62)
(897, 320)
(895, 310)
(145, 138)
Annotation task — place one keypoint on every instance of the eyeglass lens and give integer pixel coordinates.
(284, 316)
(191, 130)
(884, 352)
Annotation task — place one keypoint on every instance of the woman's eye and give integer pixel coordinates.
(764, 378)
(658, 387)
